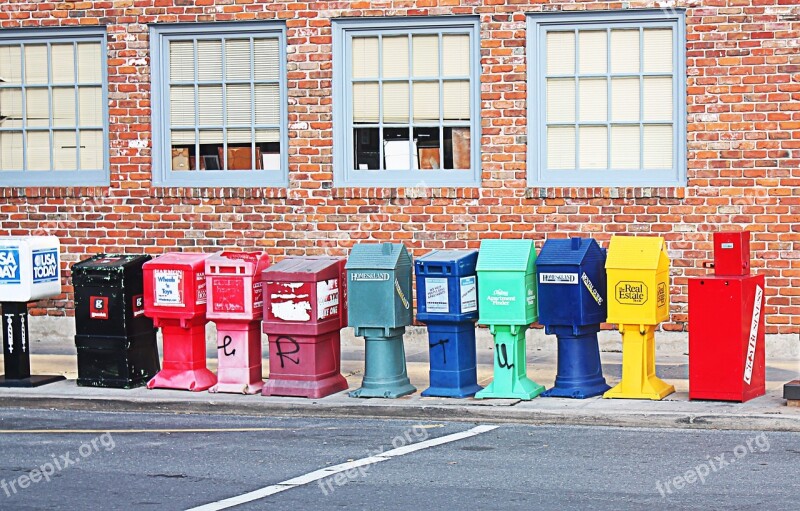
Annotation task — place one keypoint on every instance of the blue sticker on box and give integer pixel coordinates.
(9, 265)
(45, 265)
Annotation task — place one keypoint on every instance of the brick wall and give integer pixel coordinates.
(743, 63)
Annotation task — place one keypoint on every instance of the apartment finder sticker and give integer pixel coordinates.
(436, 295)
(168, 287)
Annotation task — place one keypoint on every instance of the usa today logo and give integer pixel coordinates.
(9, 266)
(45, 265)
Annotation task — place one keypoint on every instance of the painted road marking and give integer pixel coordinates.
(335, 469)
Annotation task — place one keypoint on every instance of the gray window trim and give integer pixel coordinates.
(163, 175)
(59, 178)
(344, 174)
(538, 24)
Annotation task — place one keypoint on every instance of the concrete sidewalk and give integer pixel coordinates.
(765, 413)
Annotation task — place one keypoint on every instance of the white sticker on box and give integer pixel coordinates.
(469, 295)
(755, 323)
(436, 295)
(327, 298)
(558, 278)
(168, 289)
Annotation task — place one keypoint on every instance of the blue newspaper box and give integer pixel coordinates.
(447, 302)
(572, 304)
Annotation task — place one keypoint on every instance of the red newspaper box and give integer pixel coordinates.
(305, 307)
(236, 305)
(175, 298)
(726, 329)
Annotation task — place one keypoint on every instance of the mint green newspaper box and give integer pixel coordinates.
(507, 301)
(379, 277)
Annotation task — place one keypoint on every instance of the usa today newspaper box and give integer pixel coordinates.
(447, 302)
(572, 305)
(30, 270)
(116, 342)
(379, 308)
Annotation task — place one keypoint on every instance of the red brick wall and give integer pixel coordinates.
(743, 149)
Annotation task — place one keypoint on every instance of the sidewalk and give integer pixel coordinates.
(768, 412)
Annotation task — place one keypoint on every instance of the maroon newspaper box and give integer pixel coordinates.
(305, 307)
(175, 298)
(235, 304)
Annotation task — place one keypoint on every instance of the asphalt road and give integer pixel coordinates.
(89, 460)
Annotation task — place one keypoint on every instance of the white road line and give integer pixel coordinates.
(335, 469)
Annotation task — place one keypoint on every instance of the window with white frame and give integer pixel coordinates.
(406, 96)
(607, 99)
(53, 104)
(219, 105)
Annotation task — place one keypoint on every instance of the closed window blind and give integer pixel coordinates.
(51, 106)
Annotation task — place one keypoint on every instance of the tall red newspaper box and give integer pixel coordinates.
(236, 304)
(305, 307)
(726, 325)
(175, 297)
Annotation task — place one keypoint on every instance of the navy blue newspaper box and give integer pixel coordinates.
(572, 304)
(572, 283)
(447, 302)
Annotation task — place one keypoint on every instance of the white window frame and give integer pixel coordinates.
(345, 173)
(58, 178)
(537, 28)
(163, 175)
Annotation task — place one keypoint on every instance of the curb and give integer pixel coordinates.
(365, 409)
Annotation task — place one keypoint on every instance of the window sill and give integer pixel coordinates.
(637, 192)
(218, 192)
(405, 193)
(55, 192)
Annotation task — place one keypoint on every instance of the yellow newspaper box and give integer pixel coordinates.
(638, 280)
(638, 300)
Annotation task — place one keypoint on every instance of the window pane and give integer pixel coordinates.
(594, 147)
(560, 53)
(658, 50)
(91, 149)
(237, 59)
(429, 148)
(455, 54)
(38, 150)
(268, 104)
(10, 65)
(36, 65)
(183, 137)
(64, 107)
(395, 103)
(426, 55)
(270, 135)
(658, 147)
(594, 99)
(64, 154)
(209, 60)
(456, 101)
(267, 59)
(181, 61)
(365, 102)
(624, 51)
(395, 57)
(10, 149)
(560, 148)
(239, 105)
(181, 106)
(657, 99)
(400, 154)
(37, 106)
(211, 137)
(625, 99)
(366, 148)
(90, 63)
(426, 101)
(625, 147)
(90, 101)
(593, 55)
(62, 63)
(462, 152)
(365, 57)
(209, 104)
(11, 103)
(560, 100)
